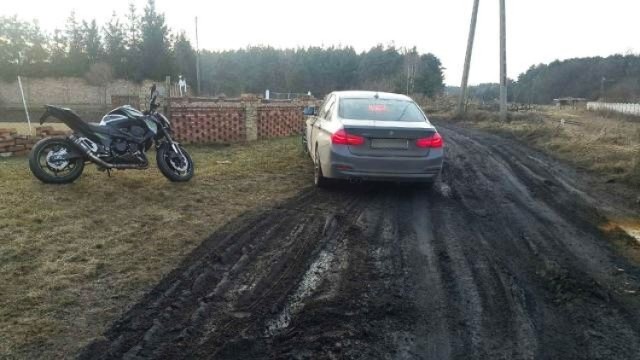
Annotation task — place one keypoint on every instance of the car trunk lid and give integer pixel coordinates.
(388, 138)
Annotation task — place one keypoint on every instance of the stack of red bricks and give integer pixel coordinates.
(46, 131)
(14, 144)
(278, 121)
(202, 125)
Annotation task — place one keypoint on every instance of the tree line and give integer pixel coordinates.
(321, 70)
(139, 45)
(615, 79)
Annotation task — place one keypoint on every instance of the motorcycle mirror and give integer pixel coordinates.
(310, 111)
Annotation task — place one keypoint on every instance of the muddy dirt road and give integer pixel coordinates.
(503, 260)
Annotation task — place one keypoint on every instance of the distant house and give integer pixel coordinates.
(570, 101)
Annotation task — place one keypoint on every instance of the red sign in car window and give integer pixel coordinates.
(377, 108)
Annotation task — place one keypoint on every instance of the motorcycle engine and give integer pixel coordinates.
(136, 131)
(125, 151)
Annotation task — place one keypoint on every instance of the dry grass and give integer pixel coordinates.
(73, 257)
(607, 145)
(23, 127)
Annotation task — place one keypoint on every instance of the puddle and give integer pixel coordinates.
(310, 282)
(631, 227)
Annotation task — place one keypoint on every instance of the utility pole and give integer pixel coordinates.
(197, 58)
(408, 60)
(408, 77)
(503, 62)
(467, 59)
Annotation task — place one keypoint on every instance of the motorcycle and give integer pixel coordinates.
(120, 141)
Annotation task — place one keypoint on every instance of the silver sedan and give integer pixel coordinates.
(364, 135)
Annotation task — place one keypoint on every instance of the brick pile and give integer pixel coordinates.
(205, 125)
(45, 131)
(279, 121)
(14, 144)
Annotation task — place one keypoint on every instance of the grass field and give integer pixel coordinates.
(73, 257)
(606, 145)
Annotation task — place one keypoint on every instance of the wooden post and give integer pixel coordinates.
(503, 62)
(167, 105)
(467, 59)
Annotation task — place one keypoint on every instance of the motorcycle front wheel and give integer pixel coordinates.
(174, 166)
(48, 164)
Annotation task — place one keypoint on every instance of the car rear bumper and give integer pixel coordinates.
(341, 164)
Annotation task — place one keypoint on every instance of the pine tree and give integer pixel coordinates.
(156, 61)
(37, 51)
(429, 78)
(115, 46)
(91, 41)
(76, 63)
(133, 67)
(185, 57)
(23, 48)
(58, 52)
(12, 45)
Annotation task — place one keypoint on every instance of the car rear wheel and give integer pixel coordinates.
(318, 177)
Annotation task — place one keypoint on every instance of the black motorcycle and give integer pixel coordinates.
(120, 141)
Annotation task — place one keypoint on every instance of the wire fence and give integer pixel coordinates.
(287, 95)
(627, 109)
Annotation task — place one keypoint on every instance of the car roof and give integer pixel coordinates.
(370, 94)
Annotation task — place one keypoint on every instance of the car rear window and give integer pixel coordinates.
(380, 109)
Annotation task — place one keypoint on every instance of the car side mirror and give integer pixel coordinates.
(310, 111)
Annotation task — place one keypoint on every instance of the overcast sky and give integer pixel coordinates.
(539, 31)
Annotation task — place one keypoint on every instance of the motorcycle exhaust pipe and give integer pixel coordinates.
(89, 153)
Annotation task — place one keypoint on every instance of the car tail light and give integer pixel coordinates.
(432, 142)
(341, 137)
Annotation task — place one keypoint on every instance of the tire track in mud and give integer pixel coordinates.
(564, 273)
(502, 260)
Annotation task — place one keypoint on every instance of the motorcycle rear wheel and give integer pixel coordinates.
(50, 171)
